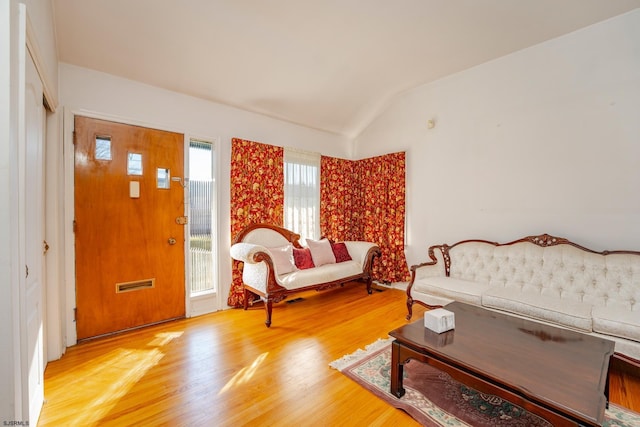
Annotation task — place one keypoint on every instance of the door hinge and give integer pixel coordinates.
(75, 313)
(74, 137)
(46, 247)
(26, 268)
(75, 226)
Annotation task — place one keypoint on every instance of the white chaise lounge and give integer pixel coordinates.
(270, 271)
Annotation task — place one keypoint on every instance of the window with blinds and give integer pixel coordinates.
(201, 216)
(302, 192)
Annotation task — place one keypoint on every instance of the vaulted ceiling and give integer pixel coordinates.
(326, 64)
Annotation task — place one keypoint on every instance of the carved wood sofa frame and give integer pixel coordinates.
(620, 361)
(274, 291)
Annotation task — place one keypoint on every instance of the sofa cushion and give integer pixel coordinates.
(302, 258)
(568, 313)
(321, 252)
(340, 252)
(457, 289)
(324, 274)
(282, 257)
(617, 322)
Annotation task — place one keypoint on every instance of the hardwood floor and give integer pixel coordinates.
(227, 368)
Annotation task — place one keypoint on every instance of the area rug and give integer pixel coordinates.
(433, 398)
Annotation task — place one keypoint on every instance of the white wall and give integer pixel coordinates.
(91, 92)
(542, 140)
(9, 320)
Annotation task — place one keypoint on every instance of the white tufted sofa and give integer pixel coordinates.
(260, 274)
(544, 278)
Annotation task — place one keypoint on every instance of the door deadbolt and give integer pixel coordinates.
(172, 241)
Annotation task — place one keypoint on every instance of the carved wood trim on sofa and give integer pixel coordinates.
(287, 234)
(542, 240)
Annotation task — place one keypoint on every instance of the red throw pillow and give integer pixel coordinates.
(302, 258)
(340, 251)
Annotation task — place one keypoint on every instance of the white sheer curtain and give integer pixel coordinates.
(302, 192)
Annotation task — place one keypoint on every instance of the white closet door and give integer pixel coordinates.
(32, 201)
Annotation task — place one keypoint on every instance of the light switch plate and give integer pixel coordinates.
(134, 189)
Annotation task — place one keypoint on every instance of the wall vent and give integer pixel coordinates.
(135, 286)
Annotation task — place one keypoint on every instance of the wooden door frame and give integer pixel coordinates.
(69, 198)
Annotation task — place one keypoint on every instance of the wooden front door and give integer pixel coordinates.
(129, 236)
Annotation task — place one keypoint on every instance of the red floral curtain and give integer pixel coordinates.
(257, 195)
(339, 200)
(382, 188)
(365, 200)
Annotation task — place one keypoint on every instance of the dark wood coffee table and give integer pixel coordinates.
(558, 374)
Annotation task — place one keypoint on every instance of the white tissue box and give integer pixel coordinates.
(439, 320)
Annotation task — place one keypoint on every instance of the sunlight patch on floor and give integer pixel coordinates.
(164, 338)
(245, 374)
(102, 381)
(103, 386)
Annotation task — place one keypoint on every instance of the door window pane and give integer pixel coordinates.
(164, 178)
(103, 148)
(134, 164)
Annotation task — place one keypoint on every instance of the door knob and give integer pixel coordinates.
(172, 241)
